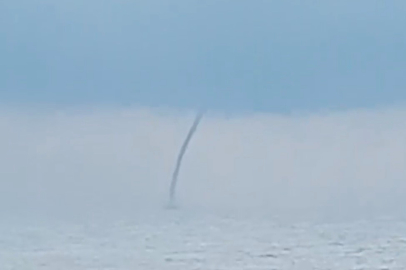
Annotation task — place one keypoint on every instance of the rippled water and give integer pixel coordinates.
(177, 241)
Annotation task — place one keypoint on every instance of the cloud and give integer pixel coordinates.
(112, 160)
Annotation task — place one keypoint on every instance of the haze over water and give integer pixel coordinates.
(345, 164)
(88, 189)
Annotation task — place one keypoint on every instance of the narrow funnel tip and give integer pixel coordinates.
(171, 205)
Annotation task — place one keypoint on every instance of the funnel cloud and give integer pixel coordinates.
(180, 156)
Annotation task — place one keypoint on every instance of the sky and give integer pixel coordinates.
(305, 106)
(268, 56)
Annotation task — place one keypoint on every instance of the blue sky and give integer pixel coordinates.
(274, 56)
